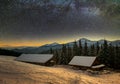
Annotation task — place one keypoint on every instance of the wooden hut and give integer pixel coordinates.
(84, 62)
(42, 59)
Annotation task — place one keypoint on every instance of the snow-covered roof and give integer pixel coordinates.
(35, 58)
(86, 61)
(98, 66)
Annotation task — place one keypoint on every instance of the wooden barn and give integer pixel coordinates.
(42, 59)
(85, 62)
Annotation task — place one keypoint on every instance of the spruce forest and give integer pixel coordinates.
(106, 53)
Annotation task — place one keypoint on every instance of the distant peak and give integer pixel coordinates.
(53, 44)
(84, 39)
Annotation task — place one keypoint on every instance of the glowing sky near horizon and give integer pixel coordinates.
(38, 42)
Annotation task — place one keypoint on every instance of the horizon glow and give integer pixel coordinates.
(36, 43)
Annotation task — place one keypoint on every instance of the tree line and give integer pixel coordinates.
(9, 52)
(106, 53)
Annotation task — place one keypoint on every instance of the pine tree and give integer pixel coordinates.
(80, 48)
(51, 51)
(69, 54)
(117, 57)
(63, 55)
(85, 49)
(75, 49)
(57, 57)
(92, 50)
(97, 48)
(104, 54)
(111, 56)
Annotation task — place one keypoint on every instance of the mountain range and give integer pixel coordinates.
(55, 45)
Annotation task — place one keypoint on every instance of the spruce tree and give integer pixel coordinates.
(57, 57)
(80, 48)
(97, 48)
(92, 50)
(69, 54)
(63, 55)
(111, 56)
(117, 57)
(75, 49)
(51, 51)
(85, 49)
(104, 54)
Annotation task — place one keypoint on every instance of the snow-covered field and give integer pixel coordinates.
(14, 72)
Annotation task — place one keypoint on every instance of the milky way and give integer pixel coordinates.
(32, 25)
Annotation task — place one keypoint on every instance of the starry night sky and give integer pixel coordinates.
(32, 28)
